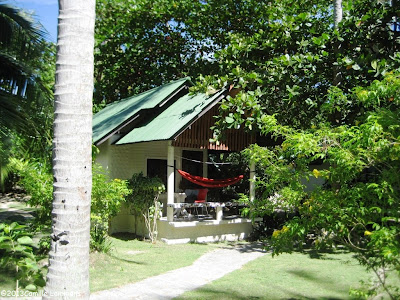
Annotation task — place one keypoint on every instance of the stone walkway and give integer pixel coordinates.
(13, 207)
(209, 267)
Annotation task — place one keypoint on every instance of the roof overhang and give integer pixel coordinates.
(122, 114)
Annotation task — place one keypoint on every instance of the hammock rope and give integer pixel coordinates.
(211, 183)
(206, 162)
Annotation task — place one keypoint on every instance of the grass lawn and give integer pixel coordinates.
(7, 281)
(133, 260)
(130, 260)
(288, 276)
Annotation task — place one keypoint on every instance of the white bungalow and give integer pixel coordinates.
(151, 133)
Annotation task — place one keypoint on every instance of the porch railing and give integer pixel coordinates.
(175, 208)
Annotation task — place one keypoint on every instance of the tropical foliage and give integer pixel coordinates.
(142, 44)
(358, 203)
(285, 67)
(107, 197)
(343, 134)
(26, 74)
(37, 180)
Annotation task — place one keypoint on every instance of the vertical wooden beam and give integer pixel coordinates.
(205, 159)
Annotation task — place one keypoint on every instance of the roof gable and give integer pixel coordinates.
(118, 114)
(173, 120)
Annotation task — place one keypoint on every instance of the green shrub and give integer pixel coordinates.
(37, 180)
(144, 200)
(44, 245)
(16, 253)
(107, 197)
(357, 206)
(99, 239)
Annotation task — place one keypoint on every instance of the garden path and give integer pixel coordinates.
(209, 267)
(13, 207)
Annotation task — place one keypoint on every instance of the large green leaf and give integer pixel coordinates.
(25, 240)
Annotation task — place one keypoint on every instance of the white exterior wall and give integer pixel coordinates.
(103, 156)
(123, 161)
(204, 231)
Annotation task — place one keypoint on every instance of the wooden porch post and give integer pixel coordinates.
(252, 181)
(205, 166)
(170, 181)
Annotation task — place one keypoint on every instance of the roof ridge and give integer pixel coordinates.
(151, 90)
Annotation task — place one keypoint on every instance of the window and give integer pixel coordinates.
(158, 168)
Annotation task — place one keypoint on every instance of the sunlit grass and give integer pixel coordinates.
(288, 276)
(134, 260)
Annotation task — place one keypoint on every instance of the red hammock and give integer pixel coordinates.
(211, 183)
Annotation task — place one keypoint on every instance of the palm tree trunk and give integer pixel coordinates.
(337, 17)
(338, 12)
(68, 275)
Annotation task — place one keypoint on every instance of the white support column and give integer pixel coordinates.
(252, 181)
(219, 213)
(170, 181)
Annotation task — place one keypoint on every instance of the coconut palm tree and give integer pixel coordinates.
(68, 275)
(24, 99)
(20, 41)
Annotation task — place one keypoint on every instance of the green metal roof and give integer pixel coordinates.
(116, 114)
(172, 121)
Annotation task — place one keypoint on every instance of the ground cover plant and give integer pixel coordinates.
(18, 258)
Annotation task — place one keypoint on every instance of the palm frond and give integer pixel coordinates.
(11, 113)
(14, 20)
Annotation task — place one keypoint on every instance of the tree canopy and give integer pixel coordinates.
(286, 69)
(343, 133)
(142, 44)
